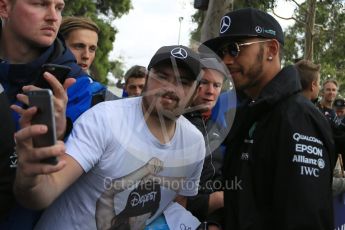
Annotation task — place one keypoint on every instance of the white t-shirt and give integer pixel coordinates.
(112, 141)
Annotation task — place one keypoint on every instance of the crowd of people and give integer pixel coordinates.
(180, 150)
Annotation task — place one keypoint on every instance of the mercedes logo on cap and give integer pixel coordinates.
(225, 24)
(179, 52)
(258, 29)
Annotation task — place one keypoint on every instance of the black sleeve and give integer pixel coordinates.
(7, 157)
(198, 206)
(339, 139)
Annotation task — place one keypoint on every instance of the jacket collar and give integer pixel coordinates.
(283, 85)
(15, 76)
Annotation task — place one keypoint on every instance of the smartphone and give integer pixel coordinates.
(59, 71)
(43, 100)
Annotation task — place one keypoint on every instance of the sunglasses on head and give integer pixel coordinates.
(233, 48)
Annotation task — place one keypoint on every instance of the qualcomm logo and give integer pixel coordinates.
(225, 24)
(179, 52)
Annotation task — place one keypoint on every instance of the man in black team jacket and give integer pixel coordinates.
(280, 148)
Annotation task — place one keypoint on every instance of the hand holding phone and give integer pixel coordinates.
(59, 71)
(43, 100)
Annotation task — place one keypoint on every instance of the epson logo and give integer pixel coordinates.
(301, 148)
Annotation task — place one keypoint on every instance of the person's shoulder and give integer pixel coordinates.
(298, 108)
(188, 128)
(297, 103)
(112, 110)
(121, 104)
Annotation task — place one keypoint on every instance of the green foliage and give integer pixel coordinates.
(110, 8)
(116, 68)
(198, 18)
(107, 10)
(80, 8)
(101, 64)
(329, 39)
(116, 8)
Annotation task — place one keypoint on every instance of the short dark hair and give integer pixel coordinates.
(308, 72)
(135, 71)
(72, 23)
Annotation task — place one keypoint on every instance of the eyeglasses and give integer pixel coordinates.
(233, 48)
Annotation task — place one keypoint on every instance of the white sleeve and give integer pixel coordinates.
(191, 184)
(87, 142)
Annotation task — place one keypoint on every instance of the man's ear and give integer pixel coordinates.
(273, 48)
(313, 85)
(5, 6)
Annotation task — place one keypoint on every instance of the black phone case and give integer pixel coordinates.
(42, 99)
(59, 71)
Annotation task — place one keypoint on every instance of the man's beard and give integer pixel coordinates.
(254, 71)
(154, 108)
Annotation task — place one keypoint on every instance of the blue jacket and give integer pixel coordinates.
(14, 76)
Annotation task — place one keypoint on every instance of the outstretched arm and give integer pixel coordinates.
(38, 184)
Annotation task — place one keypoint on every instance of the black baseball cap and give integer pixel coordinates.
(246, 22)
(339, 103)
(182, 55)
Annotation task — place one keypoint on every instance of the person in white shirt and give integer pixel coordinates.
(125, 162)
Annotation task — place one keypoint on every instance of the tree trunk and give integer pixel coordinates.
(215, 11)
(309, 30)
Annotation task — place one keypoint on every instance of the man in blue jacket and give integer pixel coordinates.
(28, 39)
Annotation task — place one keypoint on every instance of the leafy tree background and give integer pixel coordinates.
(329, 38)
(103, 12)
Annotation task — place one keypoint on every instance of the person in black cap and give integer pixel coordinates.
(339, 106)
(338, 125)
(112, 141)
(280, 148)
